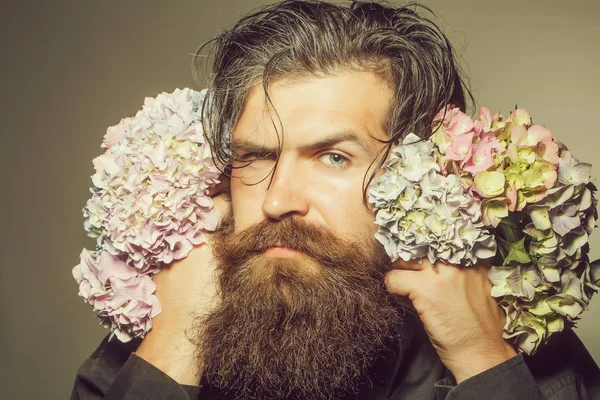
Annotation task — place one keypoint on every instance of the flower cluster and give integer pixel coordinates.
(149, 206)
(522, 188)
(491, 188)
(422, 213)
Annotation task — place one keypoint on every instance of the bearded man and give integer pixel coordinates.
(292, 298)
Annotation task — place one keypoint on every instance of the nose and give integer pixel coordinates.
(286, 193)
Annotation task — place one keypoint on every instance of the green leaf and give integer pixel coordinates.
(517, 253)
(503, 246)
(510, 228)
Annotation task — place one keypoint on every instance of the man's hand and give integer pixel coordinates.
(462, 319)
(186, 289)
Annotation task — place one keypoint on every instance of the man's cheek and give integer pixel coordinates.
(246, 211)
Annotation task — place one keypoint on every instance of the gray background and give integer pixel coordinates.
(72, 68)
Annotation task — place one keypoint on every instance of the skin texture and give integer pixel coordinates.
(185, 288)
(323, 185)
(462, 319)
(316, 184)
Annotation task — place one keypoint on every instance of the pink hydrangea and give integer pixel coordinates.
(149, 207)
(123, 298)
(527, 203)
(471, 143)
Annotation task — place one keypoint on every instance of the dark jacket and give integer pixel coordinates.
(561, 370)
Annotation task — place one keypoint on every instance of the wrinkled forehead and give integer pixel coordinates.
(296, 111)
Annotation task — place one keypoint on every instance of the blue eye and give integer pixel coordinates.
(335, 159)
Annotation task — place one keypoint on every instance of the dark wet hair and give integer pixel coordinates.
(292, 38)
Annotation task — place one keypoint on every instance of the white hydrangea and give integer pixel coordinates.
(149, 207)
(422, 213)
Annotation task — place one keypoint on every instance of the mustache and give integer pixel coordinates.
(312, 239)
(287, 333)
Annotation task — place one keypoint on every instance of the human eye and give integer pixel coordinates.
(334, 160)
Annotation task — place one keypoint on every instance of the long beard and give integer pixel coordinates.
(306, 327)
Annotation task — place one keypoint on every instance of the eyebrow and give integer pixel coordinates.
(331, 140)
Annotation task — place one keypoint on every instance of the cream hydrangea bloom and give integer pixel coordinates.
(497, 188)
(149, 207)
(422, 213)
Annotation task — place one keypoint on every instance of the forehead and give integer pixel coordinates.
(311, 107)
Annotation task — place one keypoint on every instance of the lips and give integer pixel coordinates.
(281, 252)
(278, 245)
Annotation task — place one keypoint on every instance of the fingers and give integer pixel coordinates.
(221, 200)
(221, 187)
(401, 282)
(222, 206)
(406, 278)
(413, 265)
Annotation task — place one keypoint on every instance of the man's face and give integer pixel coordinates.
(328, 127)
(308, 322)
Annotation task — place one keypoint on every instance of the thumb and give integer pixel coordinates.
(402, 282)
(222, 206)
(221, 199)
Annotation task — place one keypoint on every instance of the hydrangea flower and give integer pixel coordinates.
(422, 213)
(496, 188)
(477, 189)
(149, 207)
(122, 297)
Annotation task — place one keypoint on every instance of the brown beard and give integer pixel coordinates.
(306, 327)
